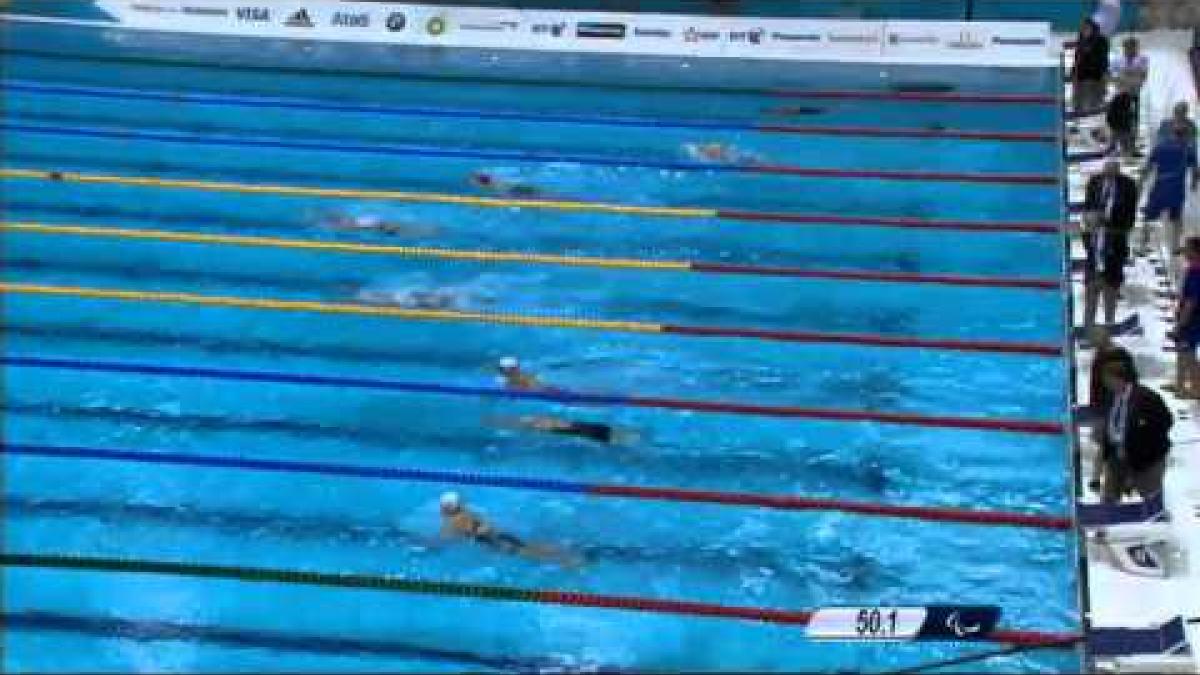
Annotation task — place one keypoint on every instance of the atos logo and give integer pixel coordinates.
(351, 20)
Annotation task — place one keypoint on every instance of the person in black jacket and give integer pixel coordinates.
(1109, 212)
(1121, 117)
(1136, 438)
(1090, 70)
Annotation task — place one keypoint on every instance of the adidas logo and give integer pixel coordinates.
(300, 19)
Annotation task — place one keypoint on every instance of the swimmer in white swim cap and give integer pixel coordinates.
(514, 377)
(459, 521)
(373, 223)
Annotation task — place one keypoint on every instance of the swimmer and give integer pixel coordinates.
(486, 181)
(592, 431)
(370, 223)
(459, 521)
(515, 378)
(716, 153)
(795, 110)
(410, 298)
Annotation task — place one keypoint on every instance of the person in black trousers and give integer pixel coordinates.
(1136, 437)
(1109, 212)
(1090, 70)
(1099, 397)
(1121, 117)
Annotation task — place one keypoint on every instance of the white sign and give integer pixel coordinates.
(1008, 44)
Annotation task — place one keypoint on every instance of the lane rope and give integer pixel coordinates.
(1025, 426)
(75, 562)
(640, 492)
(533, 258)
(446, 152)
(336, 308)
(922, 96)
(297, 103)
(549, 204)
(143, 630)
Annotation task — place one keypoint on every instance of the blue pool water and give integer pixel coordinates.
(92, 102)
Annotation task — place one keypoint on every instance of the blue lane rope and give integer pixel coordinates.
(374, 109)
(391, 149)
(319, 380)
(289, 466)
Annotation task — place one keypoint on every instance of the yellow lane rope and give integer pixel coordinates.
(389, 195)
(344, 247)
(327, 307)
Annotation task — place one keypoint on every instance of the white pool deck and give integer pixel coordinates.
(1117, 598)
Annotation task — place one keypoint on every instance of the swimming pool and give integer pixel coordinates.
(179, 392)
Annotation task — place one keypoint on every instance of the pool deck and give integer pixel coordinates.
(1120, 599)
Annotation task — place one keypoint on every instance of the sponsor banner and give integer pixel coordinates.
(600, 32)
(954, 42)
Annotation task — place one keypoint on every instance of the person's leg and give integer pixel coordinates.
(1098, 462)
(1147, 229)
(1111, 292)
(1187, 370)
(1114, 483)
(1091, 296)
(1127, 144)
(1175, 228)
(1149, 482)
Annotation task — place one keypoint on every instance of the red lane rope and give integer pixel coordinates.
(843, 415)
(888, 221)
(933, 513)
(908, 132)
(928, 176)
(992, 346)
(1032, 637)
(778, 616)
(945, 97)
(799, 617)
(863, 275)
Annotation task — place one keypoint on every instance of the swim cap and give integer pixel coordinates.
(509, 363)
(451, 500)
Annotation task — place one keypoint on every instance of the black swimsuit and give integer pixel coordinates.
(500, 540)
(601, 433)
